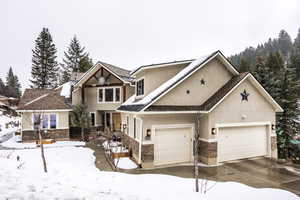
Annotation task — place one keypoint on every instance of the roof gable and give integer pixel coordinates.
(153, 96)
(122, 74)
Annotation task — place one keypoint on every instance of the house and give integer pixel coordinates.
(53, 107)
(232, 112)
(9, 102)
(103, 88)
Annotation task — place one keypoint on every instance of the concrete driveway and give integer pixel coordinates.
(259, 173)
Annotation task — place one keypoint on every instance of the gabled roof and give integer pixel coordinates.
(178, 78)
(120, 73)
(164, 64)
(212, 102)
(42, 99)
(145, 104)
(75, 76)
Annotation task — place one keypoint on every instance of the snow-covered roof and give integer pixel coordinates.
(169, 84)
(66, 90)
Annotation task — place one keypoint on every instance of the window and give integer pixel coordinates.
(93, 119)
(36, 121)
(117, 94)
(100, 98)
(109, 95)
(45, 121)
(52, 121)
(134, 128)
(49, 121)
(127, 127)
(140, 87)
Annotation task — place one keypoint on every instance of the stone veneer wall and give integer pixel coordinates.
(147, 152)
(208, 152)
(57, 134)
(131, 144)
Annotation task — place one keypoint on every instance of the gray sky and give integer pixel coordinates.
(136, 32)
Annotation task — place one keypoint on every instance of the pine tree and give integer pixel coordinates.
(13, 87)
(266, 76)
(275, 62)
(2, 88)
(76, 59)
(44, 66)
(284, 43)
(286, 128)
(244, 66)
(295, 55)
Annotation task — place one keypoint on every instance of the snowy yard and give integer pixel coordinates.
(73, 175)
(6, 126)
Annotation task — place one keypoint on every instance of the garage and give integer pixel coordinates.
(241, 142)
(172, 145)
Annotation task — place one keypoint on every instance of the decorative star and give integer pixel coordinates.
(245, 95)
(202, 81)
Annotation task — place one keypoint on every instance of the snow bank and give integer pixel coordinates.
(66, 90)
(125, 163)
(11, 143)
(6, 124)
(72, 175)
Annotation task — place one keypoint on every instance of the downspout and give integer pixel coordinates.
(141, 140)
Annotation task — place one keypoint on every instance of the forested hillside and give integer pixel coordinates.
(283, 44)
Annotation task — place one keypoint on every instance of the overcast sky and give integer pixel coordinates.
(129, 33)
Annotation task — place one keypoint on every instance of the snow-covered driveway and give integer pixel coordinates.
(73, 175)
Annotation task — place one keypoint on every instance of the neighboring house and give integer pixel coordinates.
(54, 109)
(233, 113)
(9, 101)
(103, 88)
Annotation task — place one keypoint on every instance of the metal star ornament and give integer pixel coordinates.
(245, 95)
(202, 81)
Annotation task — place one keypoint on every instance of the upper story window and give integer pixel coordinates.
(109, 95)
(140, 87)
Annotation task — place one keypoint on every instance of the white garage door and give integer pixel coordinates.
(172, 145)
(241, 142)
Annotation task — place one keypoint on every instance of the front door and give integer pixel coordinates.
(116, 119)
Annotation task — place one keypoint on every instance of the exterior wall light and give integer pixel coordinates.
(213, 131)
(273, 127)
(148, 134)
(101, 80)
(124, 126)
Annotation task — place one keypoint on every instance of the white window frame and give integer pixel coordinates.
(136, 88)
(48, 114)
(114, 95)
(95, 118)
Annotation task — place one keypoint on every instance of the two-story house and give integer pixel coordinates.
(103, 88)
(232, 112)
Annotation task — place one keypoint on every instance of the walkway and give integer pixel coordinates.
(101, 162)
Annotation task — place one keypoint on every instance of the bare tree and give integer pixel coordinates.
(37, 124)
(196, 152)
(39, 131)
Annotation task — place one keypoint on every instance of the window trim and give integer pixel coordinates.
(134, 128)
(136, 88)
(114, 94)
(48, 114)
(95, 124)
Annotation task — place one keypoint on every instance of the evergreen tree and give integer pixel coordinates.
(244, 66)
(76, 59)
(284, 43)
(275, 62)
(286, 128)
(295, 55)
(44, 66)
(2, 88)
(13, 87)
